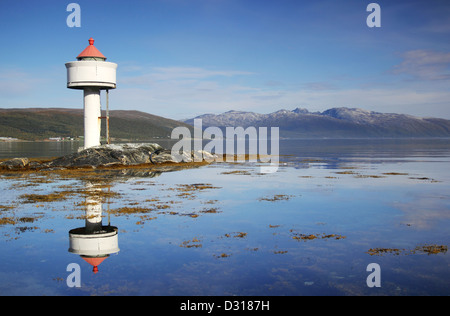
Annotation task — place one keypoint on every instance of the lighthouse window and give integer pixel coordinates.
(92, 59)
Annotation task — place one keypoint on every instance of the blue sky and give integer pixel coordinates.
(183, 58)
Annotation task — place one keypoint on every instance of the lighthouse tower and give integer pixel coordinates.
(91, 73)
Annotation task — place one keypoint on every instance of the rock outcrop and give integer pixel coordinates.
(112, 155)
(16, 163)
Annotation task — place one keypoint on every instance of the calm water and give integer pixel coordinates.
(227, 229)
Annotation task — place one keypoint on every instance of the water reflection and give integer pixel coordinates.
(10, 150)
(94, 242)
(226, 229)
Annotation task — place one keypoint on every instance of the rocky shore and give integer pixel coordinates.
(115, 155)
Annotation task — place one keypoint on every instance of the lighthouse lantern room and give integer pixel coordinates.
(91, 73)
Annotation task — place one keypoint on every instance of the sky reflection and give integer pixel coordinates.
(226, 229)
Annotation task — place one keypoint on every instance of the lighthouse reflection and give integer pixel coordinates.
(94, 242)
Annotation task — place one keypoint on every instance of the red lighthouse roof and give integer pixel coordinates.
(91, 51)
(94, 261)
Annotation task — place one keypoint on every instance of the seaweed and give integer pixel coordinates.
(277, 197)
(194, 243)
(39, 198)
(428, 249)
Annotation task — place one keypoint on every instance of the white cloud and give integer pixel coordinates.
(181, 90)
(424, 65)
(184, 92)
(17, 83)
(154, 74)
(320, 86)
(187, 98)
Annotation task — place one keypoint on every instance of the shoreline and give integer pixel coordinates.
(164, 166)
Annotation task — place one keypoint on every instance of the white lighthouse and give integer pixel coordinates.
(91, 73)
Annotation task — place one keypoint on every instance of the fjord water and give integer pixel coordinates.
(312, 228)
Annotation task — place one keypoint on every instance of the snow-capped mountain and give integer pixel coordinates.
(335, 122)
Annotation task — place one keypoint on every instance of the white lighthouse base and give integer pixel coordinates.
(92, 117)
(101, 243)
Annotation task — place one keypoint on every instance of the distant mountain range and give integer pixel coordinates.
(336, 122)
(41, 123)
